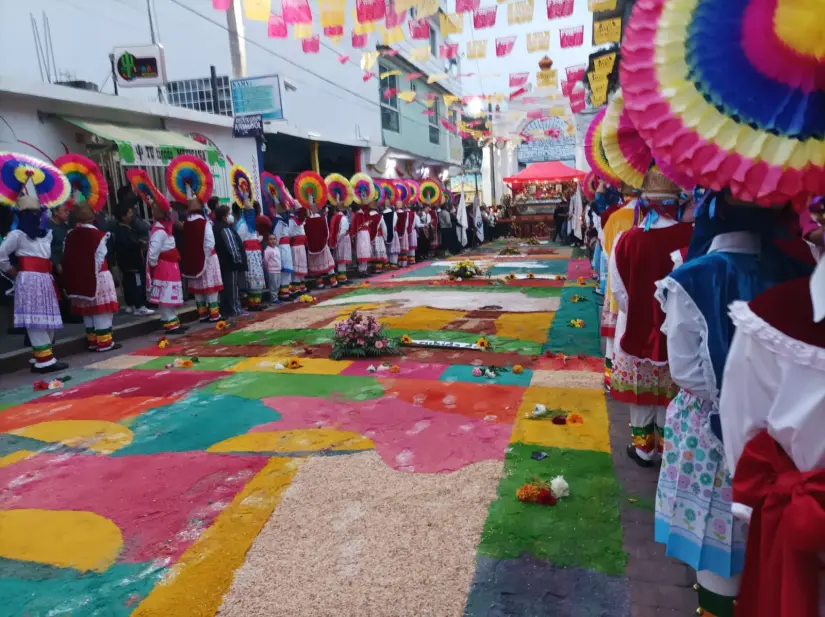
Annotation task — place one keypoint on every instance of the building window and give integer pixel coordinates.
(435, 132)
(433, 42)
(197, 94)
(388, 96)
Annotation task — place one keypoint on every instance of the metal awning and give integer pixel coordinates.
(146, 147)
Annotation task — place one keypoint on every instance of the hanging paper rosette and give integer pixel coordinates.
(85, 176)
(310, 189)
(144, 188)
(339, 189)
(17, 170)
(594, 151)
(730, 94)
(241, 184)
(188, 172)
(363, 188)
(431, 193)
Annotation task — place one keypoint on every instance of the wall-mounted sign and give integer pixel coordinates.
(559, 145)
(140, 66)
(607, 31)
(257, 95)
(248, 126)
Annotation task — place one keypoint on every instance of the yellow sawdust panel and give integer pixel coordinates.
(15, 457)
(568, 379)
(299, 440)
(311, 366)
(196, 584)
(63, 538)
(589, 404)
(423, 318)
(97, 435)
(525, 326)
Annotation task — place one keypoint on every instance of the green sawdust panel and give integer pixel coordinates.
(206, 363)
(582, 530)
(563, 338)
(304, 336)
(497, 343)
(263, 385)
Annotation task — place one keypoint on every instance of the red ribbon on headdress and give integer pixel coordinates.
(787, 531)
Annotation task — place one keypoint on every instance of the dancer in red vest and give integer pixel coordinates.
(298, 242)
(403, 238)
(199, 262)
(412, 235)
(340, 242)
(377, 233)
(360, 230)
(88, 282)
(641, 257)
(319, 258)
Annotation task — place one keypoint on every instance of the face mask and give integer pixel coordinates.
(230, 219)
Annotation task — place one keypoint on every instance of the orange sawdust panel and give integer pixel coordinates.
(479, 401)
(99, 407)
(525, 326)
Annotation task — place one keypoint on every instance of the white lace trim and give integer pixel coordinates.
(705, 363)
(749, 323)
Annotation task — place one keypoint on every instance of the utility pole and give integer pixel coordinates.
(154, 40)
(237, 43)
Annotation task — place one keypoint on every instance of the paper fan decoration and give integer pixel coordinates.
(85, 176)
(241, 184)
(402, 191)
(310, 189)
(415, 191)
(594, 151)
(590, 185)
(387, 192)
(145, 189)
(339, 188)
(431, 193)
(362, 188)
(730, 94)
(17, 170)
(627, 153)
(275, 191)
(187, 171)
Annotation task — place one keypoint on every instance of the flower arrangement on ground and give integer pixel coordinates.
(306, 299)
(542, 492)
(533, 241)
(361, 336)
(482, 344)
(576, 323)
(163, 342)
(510, 250)
(463, 270)
(578, 298)
(221, 325)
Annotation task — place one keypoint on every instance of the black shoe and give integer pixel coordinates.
(52, 368)
(178, 330)
(634, 455)
(112, 348)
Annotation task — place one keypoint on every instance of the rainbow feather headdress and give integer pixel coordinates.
(594, 151)
(188, 177)
(18, 170)
(731, 94)
(86, 180)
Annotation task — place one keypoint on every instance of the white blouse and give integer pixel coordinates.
(686, 328)
(18, 242)
(159, 241)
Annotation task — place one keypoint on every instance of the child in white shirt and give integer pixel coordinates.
(272, 266)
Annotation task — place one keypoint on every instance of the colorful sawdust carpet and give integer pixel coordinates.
(238, 487)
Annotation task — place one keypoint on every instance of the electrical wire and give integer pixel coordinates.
(371, 102)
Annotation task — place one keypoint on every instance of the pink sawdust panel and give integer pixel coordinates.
(577, 268)
(139, 383)
(409, 370)
(160, 502)
(408, 437)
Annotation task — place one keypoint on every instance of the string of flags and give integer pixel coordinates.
(392, 22)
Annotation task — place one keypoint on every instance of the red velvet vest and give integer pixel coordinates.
(193, 260)
(317, 233)
(374, 222)
(642, 258)
(80, 273)
(787, 307)
(334, 229)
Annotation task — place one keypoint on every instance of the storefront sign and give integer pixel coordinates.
(139, 67)
(248, 126)
(257, 95)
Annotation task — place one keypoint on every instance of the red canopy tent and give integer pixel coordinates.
(550, 171)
